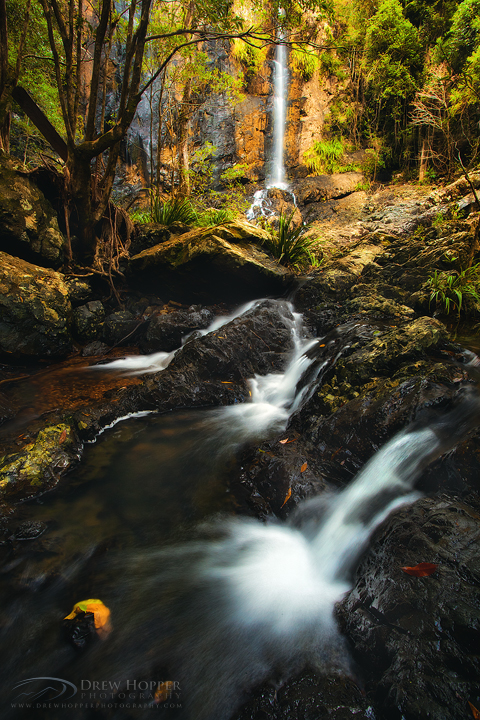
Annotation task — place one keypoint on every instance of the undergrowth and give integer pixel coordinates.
(455, 290)
(289, 245)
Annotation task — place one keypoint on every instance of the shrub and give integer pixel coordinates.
(454, 290)
(176, 209)
(325, 156)
(288, 244)
(212, 217)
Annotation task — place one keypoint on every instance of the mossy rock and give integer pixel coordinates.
(34, 310)
(37, 467)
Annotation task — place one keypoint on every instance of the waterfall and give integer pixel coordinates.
(276, 177)
(280, 84)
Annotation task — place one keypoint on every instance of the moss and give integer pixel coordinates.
(34, 466)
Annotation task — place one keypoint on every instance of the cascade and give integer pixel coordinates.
(250, 600)
(276, 174)
(280, 84)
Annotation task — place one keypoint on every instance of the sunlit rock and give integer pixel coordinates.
(34, 310)
(224, 262)
(28, 224)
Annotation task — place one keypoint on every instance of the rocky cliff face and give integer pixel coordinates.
(240, 131)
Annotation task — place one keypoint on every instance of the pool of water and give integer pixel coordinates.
(144, 483)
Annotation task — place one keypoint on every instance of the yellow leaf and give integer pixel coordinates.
(287, 497)
(304, 467)
(101, 614)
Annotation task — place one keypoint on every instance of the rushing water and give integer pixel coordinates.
(276, 177)
(244, 601)
(280, 82)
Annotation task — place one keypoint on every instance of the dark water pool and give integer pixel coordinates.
(143, 484)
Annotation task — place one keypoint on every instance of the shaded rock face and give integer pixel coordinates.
(165, 332)
(417, 638)
(34, 310)
(211, 264)
(28, 224)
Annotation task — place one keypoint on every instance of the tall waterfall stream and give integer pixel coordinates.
(219, 608)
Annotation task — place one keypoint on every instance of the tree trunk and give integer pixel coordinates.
(423, 160)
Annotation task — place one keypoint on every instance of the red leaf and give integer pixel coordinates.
(287, 497)
(304, 467)
(62, 437)
(420, 570)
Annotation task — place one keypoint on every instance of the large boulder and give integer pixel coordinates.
(326, 187)
(28, 224)
(34, 310)
(224, 262)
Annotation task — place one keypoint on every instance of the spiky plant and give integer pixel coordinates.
(176, 209)
(288, 244)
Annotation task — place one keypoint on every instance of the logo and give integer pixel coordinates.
(50, 687)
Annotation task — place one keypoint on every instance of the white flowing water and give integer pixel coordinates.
(276, 176)
(280, 84)
(155, 362)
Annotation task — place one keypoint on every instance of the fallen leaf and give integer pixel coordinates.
(304, 467)
(226, 382)
(164, 691)
(62, 437)
(322, 345)
(420, 570)
(101, 614)
(287, 497)
(475, 712)
(282, 442)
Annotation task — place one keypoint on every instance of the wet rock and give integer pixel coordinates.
(119, 327)
(309, 697)
(165, 332)
(416, 639)
(218, 263)
(78, 290)
(6, 410)
(29, 530)
(87, 320)
(326, 187)
(37, 467)
(95, 348)
(34, 310)
(28, 224)
(148, 235)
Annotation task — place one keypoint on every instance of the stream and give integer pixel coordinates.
(202, 597)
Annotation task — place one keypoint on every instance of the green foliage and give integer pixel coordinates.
(140, 217)
(250, 56)
(176, 209)
(232, 175)
(331, 65)
(288, 244)
(325, 156)
(212, 217)
(393, 53)
(376, 159)
(463, 37)
(304, 62)
(454, 290)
